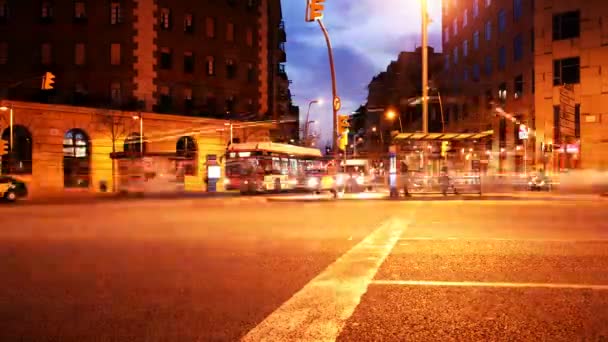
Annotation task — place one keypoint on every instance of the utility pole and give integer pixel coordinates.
(425, 68)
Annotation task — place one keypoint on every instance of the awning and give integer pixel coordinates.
(443, 136)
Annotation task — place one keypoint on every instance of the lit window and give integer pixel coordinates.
(455, 26)
(230, 32)
(210, 27)
(465, 18)
(446, 34)
(488, 3)
(80, 10)
(165, 18)
(3, 53)
(518, 84)
(115, 54)
(79, 54)
(210, 66)
(249, 37)
(115, 93)
(465, 48)
(46, 57)
(188, 23)
(475, 8)
(115, 13)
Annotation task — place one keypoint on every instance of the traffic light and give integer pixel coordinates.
(314, 10)
(343, 129)
(47, 81)
(3, 147)
(445, 147)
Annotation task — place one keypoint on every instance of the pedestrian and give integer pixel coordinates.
(405, 178)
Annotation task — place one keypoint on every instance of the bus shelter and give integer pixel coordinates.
(441, 162)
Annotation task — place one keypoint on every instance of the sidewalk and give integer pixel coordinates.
(384, 196)
(99, 197)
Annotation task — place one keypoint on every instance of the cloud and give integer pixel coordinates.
(366, 36)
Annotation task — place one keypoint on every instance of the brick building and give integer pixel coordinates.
(397, 89)
(488, 62)
(218, 59)
(516, 55)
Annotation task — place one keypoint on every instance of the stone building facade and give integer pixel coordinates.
(67, 148)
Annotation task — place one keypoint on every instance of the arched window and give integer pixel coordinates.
(76, 159)
(19, 160)
(133, 146)
(187, 150)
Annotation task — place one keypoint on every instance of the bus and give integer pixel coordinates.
(258, 167)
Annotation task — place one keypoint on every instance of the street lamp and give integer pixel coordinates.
(10, 110)
(319, 102)
(425, 67)
(391, 114)
(141, 133)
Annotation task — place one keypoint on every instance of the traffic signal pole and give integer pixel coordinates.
(334, 88)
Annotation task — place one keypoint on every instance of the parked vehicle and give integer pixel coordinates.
(12, 189)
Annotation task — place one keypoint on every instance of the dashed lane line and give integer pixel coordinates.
(320, 309)
(430, 283)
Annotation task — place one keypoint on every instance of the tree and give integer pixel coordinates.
(116, 126)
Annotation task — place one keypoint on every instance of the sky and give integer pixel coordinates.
(366, 36)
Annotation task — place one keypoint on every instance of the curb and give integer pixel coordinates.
(92, 199)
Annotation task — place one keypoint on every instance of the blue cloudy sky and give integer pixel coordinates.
(366, 36)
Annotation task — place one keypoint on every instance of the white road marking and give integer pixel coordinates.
(320, 309)
(453, 238)
(490, 284)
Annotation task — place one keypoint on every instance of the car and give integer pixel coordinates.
(11, 189)
(540, 183)
(318, 181)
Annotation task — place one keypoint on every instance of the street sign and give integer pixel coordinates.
(337, 103)
(567, 126)
(523, 132)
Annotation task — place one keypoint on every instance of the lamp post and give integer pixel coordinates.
(425, 68)
(10, 110)
(320, 102)
(141, 133)
(391, 114)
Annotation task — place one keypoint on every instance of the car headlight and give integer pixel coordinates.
(360, 180)
(226, 181)
(12, 186)
(313, 182)
(542, 183)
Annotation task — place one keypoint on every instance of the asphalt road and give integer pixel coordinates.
(234, 268)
